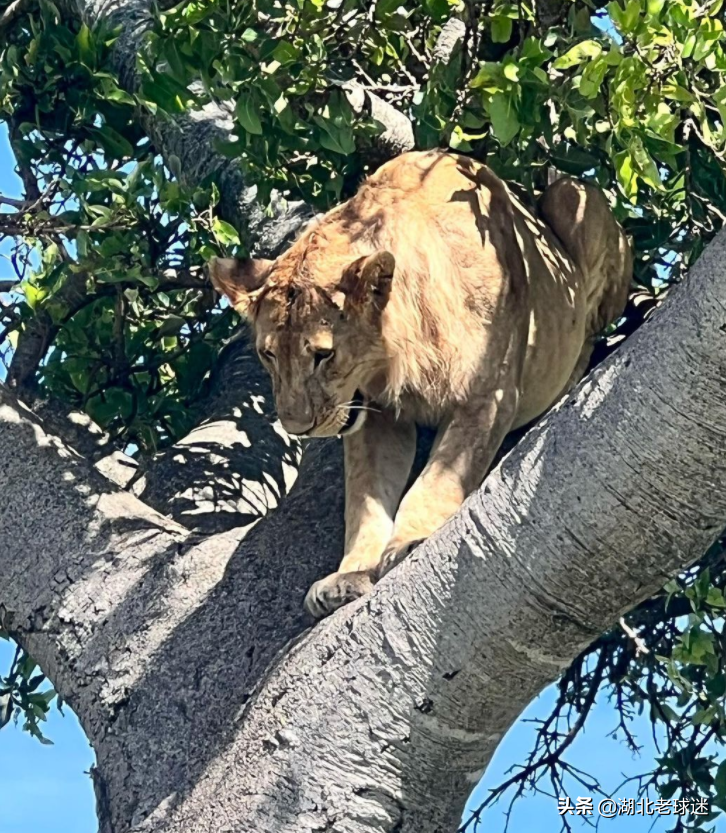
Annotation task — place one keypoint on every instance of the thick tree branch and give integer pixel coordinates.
(397, 135)
(587, 517)
(35, 339)
(104, 592)
(11, 13)
(234, 467)
(57, 521)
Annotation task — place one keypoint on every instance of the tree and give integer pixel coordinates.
(142, 566)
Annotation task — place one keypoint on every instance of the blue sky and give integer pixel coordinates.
(47, 789)
(9, 187)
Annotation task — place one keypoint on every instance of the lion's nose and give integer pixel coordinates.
(300, 422)
(295, 412)
(294, 427)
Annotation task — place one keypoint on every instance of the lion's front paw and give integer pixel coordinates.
(395, 553)
(336, 590)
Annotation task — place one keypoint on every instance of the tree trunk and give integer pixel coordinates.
(210, 704)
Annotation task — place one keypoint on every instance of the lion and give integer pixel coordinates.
(435, 297)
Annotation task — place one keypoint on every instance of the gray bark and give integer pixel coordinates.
(211, 705)
(235, 466)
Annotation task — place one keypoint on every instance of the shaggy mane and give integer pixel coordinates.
(432, 311)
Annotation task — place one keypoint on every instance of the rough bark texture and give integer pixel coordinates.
(210, 705)
(235, 466)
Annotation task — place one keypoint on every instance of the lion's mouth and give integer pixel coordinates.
(356, 414)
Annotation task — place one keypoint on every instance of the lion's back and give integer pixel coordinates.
(581, 217)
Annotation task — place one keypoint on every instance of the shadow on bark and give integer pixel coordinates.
(226, 646)
(234, 467)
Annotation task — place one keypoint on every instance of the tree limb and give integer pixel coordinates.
(34, 340)
(12, 13)
(235, 466)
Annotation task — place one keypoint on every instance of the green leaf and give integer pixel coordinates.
(703, 716)
(668, 790)
(583, 51)
(438, 9)
(115, 145)
(626, 174)
(285, 53)
(698, 645)
(501, 29)
(702, 584)
(27, 666)
(715, 597)
(35, 682)
(45, 697)
(717, 686)
(113, 402)
(338, 139)
(503, 115)
(626, 19)
(719, 780)
(511, 72)
(644, 165)
(192, 367)
(533, 52)
(225, 233)
(490, 77)
(171, 325)
(593, 77)
(246, 112)
(86, 46)
(572, 159)
(112, 92)
(665, 713)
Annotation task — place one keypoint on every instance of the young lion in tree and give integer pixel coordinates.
(433, 297)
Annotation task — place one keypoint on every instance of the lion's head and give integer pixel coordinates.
(318, 336)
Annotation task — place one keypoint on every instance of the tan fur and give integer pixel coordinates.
(433, 296)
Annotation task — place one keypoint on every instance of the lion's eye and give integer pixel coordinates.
(267, 354)
(321, 356)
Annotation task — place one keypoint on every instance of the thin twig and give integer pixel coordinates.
(640, 646)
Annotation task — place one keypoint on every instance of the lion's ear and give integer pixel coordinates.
(239, 279)
(366, 283)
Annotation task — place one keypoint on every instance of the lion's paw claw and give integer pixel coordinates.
(395, 554)
(336, 590)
